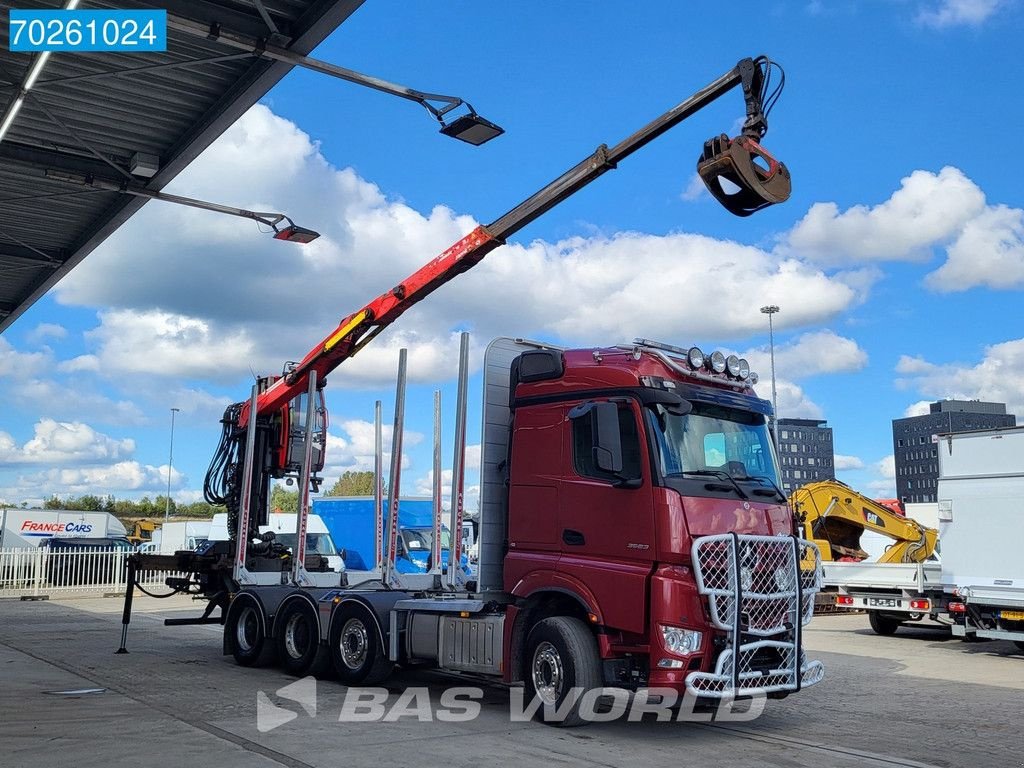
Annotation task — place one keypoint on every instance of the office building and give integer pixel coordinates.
(915, 445)
(806, 452)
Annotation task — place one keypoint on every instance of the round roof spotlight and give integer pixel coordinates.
(753, 378)
(717, 362)
(695, 357)
(732, 365)
(744, 368)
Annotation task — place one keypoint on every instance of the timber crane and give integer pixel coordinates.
(281, 430)
(834, 516)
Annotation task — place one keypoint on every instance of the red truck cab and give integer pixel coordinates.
(642, 497)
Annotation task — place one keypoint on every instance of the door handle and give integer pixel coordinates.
(573, 538)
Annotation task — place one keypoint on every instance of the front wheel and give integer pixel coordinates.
(356, 647)
(883, 625)
(563, 664)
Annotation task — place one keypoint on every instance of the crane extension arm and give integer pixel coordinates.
(723, 158)
(835, 515)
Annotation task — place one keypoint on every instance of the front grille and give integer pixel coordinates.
(758, 587)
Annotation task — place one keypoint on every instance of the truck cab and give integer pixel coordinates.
(642, 498)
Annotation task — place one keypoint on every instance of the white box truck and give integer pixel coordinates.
(22, 528)
(177, 535)
(980, 500)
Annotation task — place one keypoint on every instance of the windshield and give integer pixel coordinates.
(316, 543)
(420, 539)
(713, 438)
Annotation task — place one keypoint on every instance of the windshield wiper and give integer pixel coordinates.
(766, 481)
(716, 473)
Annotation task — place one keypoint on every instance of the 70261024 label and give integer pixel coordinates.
(83, 31)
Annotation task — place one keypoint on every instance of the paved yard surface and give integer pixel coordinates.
(918, 698)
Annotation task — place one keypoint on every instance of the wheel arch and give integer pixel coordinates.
(541, 604)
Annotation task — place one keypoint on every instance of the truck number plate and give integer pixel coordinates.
(1012, 615)
(882, 602)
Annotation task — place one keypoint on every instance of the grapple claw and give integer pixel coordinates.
(760, 179)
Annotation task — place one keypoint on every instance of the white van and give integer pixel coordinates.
(318, 538)
(21, 528)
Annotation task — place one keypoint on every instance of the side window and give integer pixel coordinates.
(583, 442)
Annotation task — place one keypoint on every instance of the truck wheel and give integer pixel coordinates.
(298, 640)
(883, 625)
(244, 636)
(356, 647)
(1019, 644)
(561, 662)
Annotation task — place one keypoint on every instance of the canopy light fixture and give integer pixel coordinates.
(292, 232)
(471, 129)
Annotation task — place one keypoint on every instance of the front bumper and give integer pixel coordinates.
(760, 592)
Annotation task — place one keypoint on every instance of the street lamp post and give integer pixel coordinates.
(170, 463)
(771, 309)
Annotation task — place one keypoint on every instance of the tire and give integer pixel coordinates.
(561, 655)
(298, 640)
(244, 635)
(1019, 644)
(883, 625)
(356, 647)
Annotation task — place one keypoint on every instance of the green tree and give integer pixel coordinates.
(353, 484)
(283, 500)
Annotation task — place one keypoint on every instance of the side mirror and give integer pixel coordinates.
(604, 429)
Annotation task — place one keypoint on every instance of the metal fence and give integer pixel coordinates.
(87, 572)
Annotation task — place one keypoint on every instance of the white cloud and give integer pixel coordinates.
(989, 251)
(886, 467)
(843, 463)
(176, 310)
(953, 13)
(695, 189)
(63, 443)
(19, 366)
(998, 377)
(810, 354)
(926, 210)
(920, 408)
(103, 480)
(45, 331)
(73, 401)
(353, 449)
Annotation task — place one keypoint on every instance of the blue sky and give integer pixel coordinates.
(898, 262)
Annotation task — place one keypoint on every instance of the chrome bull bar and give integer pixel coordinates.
(760, 590)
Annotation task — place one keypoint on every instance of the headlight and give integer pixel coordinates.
(717, 362)
(681, 642)
(695, 357)
(732, 365)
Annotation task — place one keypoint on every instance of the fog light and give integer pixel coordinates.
(717, 362)
(732, 365)
(681, 642)
(695, 357)
(746, 578)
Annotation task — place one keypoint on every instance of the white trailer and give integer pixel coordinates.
(24, 528)
(980, 493)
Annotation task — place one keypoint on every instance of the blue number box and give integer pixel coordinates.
(83, 31)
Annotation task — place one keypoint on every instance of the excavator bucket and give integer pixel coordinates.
(758, 178)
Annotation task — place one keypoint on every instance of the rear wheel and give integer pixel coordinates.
(244, 634)
(883, 625)
(562, 665)
(356, 647)
(298, 640)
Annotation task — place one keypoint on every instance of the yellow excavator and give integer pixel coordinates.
(141, 531)
(834, 516)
